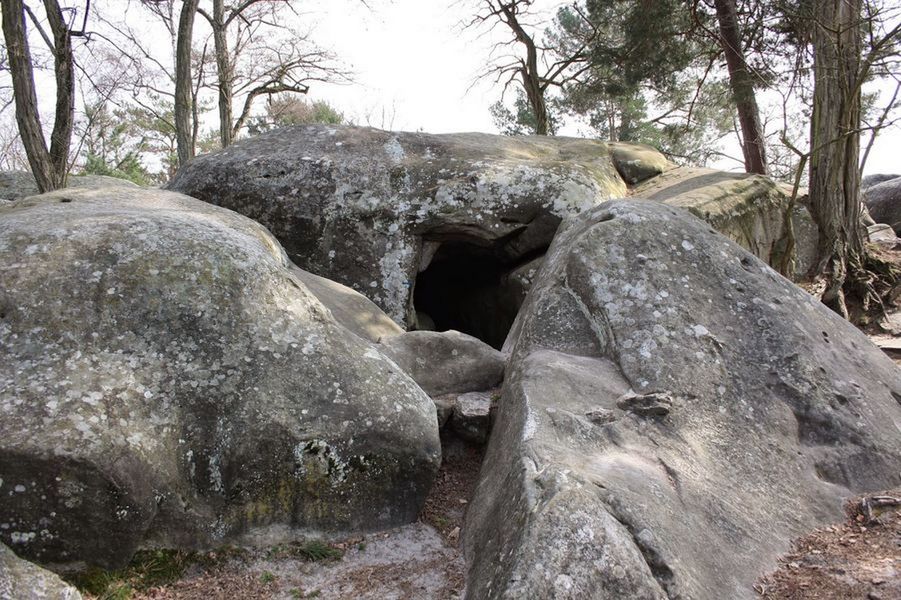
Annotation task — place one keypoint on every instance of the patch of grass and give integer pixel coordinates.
(104, 585)
(315, 550)
(312, 550)
(158, 567)
(148, 568)
(267, 577)
(361, 547)
(299, 593)
(440, 522)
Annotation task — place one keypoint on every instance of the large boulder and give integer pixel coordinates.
(373, 209)
(15, 185)
(871, 180)
(436, 229)
(166, 379)
(349, 307)
(22, 580)
(446, 362)
(748, 209)
(883, 200)
(673, 414)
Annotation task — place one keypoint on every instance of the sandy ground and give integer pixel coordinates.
(412, 562)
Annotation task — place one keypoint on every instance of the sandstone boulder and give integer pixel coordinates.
(471, 418)
(372, 209)
(446, 362)
(748, 209)
(871, 180)
(22, 580)
(673, 414)
(15, 185)
(883, 200)
(437, 229)
(167, 379)
(350, 308)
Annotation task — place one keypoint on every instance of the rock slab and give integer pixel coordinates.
(22, 580)
(673, 414)
(447, 362)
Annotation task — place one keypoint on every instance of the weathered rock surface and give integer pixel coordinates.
(883, 200)
(748, 209)
(871, 180)
(15, 185)
(350, 308)
(447, 362)
(167, 379)
(471, 417)
(22, 580)
(673, 414)
(880, 233)
(417, 221)
(369, 208)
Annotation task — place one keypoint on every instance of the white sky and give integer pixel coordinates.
(415, 63)
(411, 57)
(414, 59)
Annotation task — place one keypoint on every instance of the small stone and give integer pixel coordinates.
(471, 417)
(601, 416)
(655, 404)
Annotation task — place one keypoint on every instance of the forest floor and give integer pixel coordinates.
(859, 559)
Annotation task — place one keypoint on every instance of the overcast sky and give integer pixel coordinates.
(413, 59)
(415, 67)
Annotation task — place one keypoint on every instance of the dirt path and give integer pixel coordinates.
(859, 559)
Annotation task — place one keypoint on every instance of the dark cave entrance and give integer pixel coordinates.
(465, 287)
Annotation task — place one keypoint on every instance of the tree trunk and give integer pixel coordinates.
(64, 68)
(183, 98)
(223, 66)
(835, 146)
(43, 165)
(742, 84)
(531, 78)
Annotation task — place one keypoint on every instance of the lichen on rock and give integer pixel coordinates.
(167, 379)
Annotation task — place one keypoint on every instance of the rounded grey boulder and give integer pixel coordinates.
(167, 380)
(15, 185)
(871, 180)
(883, 200)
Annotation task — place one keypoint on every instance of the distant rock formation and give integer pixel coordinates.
(15, 185)
(883, 200)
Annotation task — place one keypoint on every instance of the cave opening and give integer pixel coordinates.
(465, 287)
